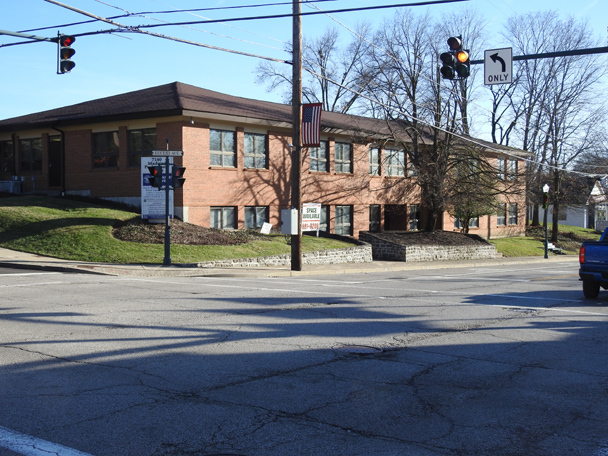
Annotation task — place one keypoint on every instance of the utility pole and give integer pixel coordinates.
(296, 154)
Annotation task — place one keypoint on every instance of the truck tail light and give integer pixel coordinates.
(581, 255)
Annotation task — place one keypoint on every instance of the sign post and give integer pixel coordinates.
(168, 154)
(498, 66)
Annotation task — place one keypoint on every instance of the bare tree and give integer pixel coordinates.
(333, 76)
(554, 99)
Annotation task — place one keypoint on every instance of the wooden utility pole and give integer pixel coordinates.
(296, 154)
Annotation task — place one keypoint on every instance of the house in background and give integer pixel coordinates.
(597, 205)
(238, 159)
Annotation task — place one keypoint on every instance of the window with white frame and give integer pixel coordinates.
(256, 153)
(255, 216)
(512, 213)
(222, 148)
(374, 161)
(318, 158)
(224, 218)
(395, 162)
(343, 158)
(344, 220)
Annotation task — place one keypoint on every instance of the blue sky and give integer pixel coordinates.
(109, 64)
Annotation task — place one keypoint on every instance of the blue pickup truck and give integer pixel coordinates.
(593, 259)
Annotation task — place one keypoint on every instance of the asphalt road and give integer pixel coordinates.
(495, 361)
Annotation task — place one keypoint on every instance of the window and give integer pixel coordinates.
(324, 223)
(512, 213)
(30, 151)
(141, 142)
(512, 169)
(374, 217)
(501, 215)
(318, 158)
(473, 223)
(223, 218)
(374, 161)
(414, 217)
(344, 217)
(6, 157)
(255, 151)
(255, 216)
(344, 163)
(395, 162)
(222, 149)
(105, 149)
(501, 166)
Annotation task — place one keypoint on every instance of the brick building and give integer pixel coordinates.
(237, 155)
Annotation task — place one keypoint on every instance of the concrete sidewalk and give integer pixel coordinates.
(15, 259)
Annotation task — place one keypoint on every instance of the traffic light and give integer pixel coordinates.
(545, 200)
(448, 70)
(156, 176)
(177, 176)
(456, 62)
(66, 52)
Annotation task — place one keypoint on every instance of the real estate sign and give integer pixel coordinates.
(153, 199)
(311, 216)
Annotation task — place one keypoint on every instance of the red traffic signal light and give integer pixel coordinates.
(65, 64)
(177, 176)
(156, 176)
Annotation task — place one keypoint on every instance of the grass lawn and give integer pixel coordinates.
(70, 229)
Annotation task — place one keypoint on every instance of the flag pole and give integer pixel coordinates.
(296, 162)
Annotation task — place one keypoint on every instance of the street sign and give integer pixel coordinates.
(167, 153)
(311, 216)
(498, 66)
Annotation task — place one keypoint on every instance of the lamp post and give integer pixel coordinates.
(545, 204)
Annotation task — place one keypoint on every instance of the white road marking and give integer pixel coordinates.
(33, 446)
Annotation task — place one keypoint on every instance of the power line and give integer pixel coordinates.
(192, 10)
(312, 13)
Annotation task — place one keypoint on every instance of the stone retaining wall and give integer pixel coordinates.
(388, 251)
(361, 253)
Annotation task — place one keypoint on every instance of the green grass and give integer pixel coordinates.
(68, 229)
(569, 239)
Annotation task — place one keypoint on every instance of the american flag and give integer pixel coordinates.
(311, 125)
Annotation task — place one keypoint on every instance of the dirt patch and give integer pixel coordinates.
(138, 230)
(444, 238)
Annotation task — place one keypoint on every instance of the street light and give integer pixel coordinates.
(546, 189)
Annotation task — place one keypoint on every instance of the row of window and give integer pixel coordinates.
(226, 218)
(222, 145)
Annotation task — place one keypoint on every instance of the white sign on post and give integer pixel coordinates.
(153, 199)
(311, 216)
(498, 66)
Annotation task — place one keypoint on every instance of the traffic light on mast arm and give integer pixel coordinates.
(456, 62)
(177, 176)
(65, 53)
(156, 176)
